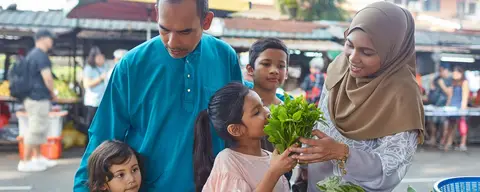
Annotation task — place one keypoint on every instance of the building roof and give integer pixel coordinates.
(11, 22)
(422, 37)
(445, 38)
(273, 25)
(258, 28)
(55, 19)
(302, 45)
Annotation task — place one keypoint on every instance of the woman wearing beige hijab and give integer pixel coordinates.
(372, 104)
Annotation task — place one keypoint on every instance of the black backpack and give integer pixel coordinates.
(436, 96)
(19, 79)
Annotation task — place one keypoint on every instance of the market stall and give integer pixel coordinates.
(10, 120)
(472, 115)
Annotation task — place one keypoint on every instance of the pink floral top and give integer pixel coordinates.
(237, 172)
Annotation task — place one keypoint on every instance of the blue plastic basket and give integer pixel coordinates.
(458, 184)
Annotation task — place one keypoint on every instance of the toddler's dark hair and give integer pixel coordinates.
(105, 155)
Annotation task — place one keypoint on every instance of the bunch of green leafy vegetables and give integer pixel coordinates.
(335, 184)
(291, 120)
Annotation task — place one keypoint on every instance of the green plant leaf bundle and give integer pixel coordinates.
(335, 184)
(411, 189)
(293, 119)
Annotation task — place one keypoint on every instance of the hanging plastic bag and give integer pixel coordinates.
(462, 126)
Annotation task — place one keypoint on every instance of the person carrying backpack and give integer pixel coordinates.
(31, 81)
(438, 96)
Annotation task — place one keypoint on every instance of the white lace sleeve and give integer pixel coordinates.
(394, 153)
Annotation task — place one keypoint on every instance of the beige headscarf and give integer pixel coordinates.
(390, 101)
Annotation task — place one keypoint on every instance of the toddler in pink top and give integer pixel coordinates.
(238, 116)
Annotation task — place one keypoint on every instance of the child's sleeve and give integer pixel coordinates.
(225, 181)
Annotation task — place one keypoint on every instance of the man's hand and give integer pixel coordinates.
(103, 76)
(54, 96)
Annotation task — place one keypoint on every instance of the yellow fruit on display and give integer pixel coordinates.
(81, 140)
(63, 91)
(71, 137)
(68, 139)
(5, 89)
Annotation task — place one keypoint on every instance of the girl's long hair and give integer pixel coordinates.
(225, 108)
(103, 157)
(460, 81)
(94, 51)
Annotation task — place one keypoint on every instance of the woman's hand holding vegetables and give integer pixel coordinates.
(282, 163)
(322, 149)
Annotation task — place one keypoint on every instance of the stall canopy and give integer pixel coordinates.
(138, 10)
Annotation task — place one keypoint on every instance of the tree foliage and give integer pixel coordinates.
(312, 10)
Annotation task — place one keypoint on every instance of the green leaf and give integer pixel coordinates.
(268, 129)
(322, 188)
(280, 148)
(275, 124)
(287, 97)
(297, 115)
(272, 140)
(334, 184)
(357, 188)
(282, 114)
(411, 189)
(343, 188)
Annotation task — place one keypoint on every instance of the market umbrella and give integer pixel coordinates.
(138, 10)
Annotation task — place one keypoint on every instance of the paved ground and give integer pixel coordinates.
(429, 166)
(57, 179)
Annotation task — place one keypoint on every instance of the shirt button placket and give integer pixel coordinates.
(188, 81)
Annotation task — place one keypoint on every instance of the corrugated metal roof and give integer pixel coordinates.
(422, 37)
(445, 38)
(288, 26)
(30, 18)
(319, 34)
(258, 28)
(434, 48)
(236, 27)
(303, 45)
(56, 19)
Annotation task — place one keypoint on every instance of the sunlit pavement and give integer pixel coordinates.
(428, 167)
(56, 179)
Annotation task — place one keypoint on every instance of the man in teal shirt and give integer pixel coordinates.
(156, 92)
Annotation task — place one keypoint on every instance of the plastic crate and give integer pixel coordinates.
(56, 123)
(458, 184)
(52, 149)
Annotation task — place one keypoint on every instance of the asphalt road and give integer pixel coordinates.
(429, 166)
